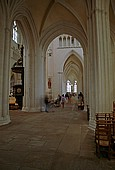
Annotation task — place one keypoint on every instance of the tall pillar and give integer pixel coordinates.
(34, 80)
(30, 70)
(4, 85)
(86, 76)
(100, 73)
(41, 85)
(27, 85)
(113, 63)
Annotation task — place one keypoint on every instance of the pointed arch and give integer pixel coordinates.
(63, 28)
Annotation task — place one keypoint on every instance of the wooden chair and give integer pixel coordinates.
(107, 116)
(103, 138)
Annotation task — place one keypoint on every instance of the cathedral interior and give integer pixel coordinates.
(69, 45)
(55, 47)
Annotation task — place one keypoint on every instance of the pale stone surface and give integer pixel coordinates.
(59, 140)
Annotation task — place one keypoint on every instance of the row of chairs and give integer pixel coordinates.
(105, 134)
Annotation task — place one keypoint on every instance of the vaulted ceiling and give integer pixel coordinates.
(50, 12)
(53, 17)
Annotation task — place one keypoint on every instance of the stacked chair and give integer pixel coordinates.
(105, 134)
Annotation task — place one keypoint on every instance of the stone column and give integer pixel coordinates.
(30, 70)
(32, 80)
(26, 90)
(4, 85)
(27, 84)
(100, 73)
(85, 80)
(41, 85)
(90, 65)
(113, 66)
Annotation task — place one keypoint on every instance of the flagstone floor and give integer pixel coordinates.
(57, 140)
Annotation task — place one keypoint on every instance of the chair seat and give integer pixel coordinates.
(102, 142)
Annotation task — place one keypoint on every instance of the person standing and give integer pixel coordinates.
(63, 100)
(80, 101)
(46, 101)
(58, 100)
(74, 101)
(67, 97)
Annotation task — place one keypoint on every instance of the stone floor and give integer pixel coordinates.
(57, 140)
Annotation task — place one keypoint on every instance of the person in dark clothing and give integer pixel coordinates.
(59, 99)
(81, 96)
(67, 97)
(46, 101)
(81, 101)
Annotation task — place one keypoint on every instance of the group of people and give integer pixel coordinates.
(76, 101)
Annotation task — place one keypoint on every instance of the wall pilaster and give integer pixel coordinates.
(100, 67)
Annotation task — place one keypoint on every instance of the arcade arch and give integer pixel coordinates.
(64, 63)
(37, 49)
(29, 39)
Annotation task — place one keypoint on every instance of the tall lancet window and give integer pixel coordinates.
(15, 33)
(60, 41)
(68, 41)
(75, 86)
(64, 41)
(68, 86)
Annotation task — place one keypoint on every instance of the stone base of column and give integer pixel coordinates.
(85, 108)
(92, 124)
(5, 120)
(26, 109)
